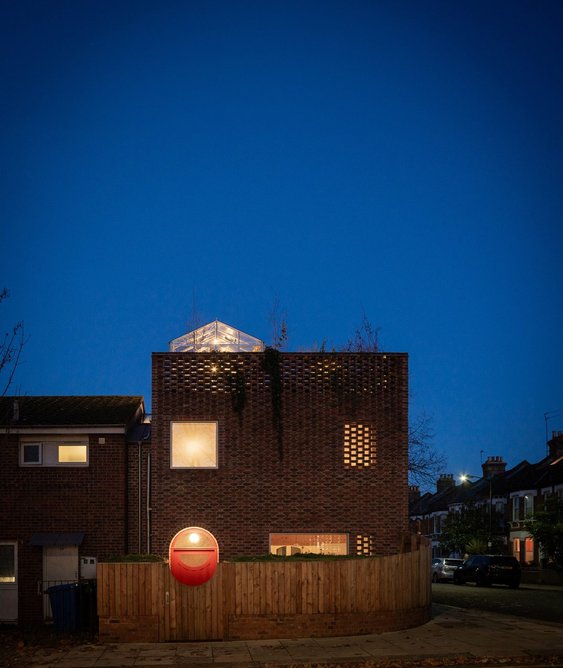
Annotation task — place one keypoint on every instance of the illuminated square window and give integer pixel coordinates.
(193, 445)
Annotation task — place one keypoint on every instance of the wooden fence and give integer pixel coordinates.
(247, 600)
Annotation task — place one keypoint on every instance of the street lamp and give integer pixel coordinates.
(464, 477)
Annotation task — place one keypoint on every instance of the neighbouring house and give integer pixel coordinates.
(267, 450)
(513, 495)
(64, 475)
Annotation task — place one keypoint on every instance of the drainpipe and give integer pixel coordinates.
(140, 500)
(149, 503)
(126, 501)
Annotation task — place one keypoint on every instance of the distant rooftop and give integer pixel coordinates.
(70, 410)
(216, 337)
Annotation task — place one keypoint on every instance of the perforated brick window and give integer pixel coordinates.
(359, 445)
(365, 545)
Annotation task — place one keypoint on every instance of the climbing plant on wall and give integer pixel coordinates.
(272, 366)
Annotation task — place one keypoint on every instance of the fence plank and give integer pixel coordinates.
(263, 590)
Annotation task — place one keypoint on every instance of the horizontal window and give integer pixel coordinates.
(287, 544)
(193, 445)
(54, 453)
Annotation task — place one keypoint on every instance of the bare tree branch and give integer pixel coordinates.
(278, 322)
(365, 339)
(11, 347)
(425, 463)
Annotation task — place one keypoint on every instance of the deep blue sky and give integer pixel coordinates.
(400, 159)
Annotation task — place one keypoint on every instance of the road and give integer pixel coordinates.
(537, 602)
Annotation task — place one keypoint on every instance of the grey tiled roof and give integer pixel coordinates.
(73, 411)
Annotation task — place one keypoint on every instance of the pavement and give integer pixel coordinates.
(454, 636)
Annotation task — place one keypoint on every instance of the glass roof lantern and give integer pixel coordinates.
(216, 337)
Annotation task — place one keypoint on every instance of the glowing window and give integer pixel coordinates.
(73, 454)
(516, 548)
(193, 445)
(365, 545)
(359, 446)
(64, 452)
(7, 562)
(529, 550)
(288, 544)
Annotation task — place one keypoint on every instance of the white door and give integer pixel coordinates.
(8, 581)
(60, 566)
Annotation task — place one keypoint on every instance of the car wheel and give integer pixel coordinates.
(434, 577)
(480, 580)
(514, 585)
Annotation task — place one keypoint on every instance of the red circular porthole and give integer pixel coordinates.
(194, 554)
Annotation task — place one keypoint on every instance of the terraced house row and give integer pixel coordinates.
(508, 497)
(269, 451)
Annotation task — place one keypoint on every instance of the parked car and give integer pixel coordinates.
(443, 568)
(486, 570)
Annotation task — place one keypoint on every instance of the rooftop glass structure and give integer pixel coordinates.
(217, 337)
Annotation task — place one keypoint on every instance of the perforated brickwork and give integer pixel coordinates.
(281, 451)
(359, 445)
(365, 545)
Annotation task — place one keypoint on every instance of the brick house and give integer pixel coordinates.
(304, 451)
(64, 476)
(268, 451)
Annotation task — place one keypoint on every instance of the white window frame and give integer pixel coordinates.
(515, 508)
(39, 461)
(194, 468)
(49, 452)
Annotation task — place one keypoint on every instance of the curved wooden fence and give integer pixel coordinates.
(250, 600)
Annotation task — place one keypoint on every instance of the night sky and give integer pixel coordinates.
(400, 159)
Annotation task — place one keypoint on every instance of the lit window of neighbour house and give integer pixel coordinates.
(516, 548)
(49, 453)
(193, 445)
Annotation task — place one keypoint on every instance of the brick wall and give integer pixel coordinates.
(281, 466)
(42, 499)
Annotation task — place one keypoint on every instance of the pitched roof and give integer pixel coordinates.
(216, 336)
(72, 411)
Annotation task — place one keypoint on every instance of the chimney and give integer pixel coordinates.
(414, 493)
(444, 481)
(493, 466)
(556, 445)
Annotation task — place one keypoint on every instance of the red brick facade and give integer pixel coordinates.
(287, 462)
(88, 499)
(281, 465)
